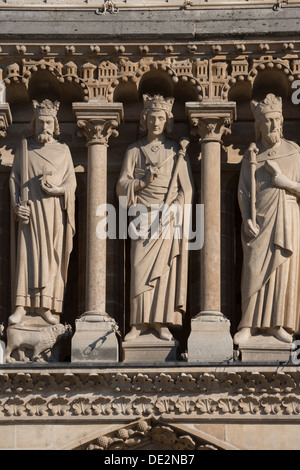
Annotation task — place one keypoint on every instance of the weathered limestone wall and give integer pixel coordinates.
(232, 436)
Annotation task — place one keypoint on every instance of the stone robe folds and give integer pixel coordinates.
(158, 266)
(271, 269)
(45, 244)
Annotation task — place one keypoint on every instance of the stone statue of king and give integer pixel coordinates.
(42, 186)
(269, 192)
(156, 172)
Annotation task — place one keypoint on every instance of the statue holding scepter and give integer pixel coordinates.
(156, 171)
(271, 246)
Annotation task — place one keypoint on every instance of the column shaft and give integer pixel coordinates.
(210, 339)
(211, 251)
(96, 247)
(95, 339)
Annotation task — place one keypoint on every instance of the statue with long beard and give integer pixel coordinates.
(42, 186)
(269, 202)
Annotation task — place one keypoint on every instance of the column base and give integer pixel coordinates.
(210, 339)
(264, 348)
(95, 339)
(148, 348)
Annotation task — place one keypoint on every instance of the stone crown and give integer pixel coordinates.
(158, 102)
(45, 108)
(270, 104)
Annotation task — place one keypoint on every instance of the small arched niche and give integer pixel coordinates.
(271, 81)
(126, 92)
(44, 84)
(156, 82)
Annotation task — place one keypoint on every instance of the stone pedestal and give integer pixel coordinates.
(265, 348)
(95, 340)
(210, 339)
(97, 123)
(149, 348)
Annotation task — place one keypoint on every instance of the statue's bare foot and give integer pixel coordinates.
(281, 334)
(48, 317)
(133, 333)
(241, 336)
(17, 316)
(164, 332)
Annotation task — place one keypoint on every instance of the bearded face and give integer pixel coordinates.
(271, 128)
(44, 129)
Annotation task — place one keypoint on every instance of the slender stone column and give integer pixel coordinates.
(95, 339)
(210, 339)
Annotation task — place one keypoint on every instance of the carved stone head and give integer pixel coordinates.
(156, 104)
(45, 124)
(268, 118)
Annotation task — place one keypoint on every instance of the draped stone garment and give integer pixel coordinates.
(271, 278)
(158, 266)
(45, 244)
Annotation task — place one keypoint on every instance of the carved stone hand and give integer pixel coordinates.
(279, 180)
(250, 230)
(151, 173)
(23, 213)
(52, 190)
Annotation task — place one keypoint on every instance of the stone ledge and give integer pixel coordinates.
(238, 393)
(173, 23)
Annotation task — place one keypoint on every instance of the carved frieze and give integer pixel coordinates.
(211, 70)
(130, 394)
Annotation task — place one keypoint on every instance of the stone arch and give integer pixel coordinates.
(240, 91)
(43, 80)
(266, 76)
(154, 77)
(126, 92)
(188, 89)
(156, 80)
(272, 78)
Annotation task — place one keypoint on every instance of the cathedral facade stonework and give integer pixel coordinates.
(172, 327)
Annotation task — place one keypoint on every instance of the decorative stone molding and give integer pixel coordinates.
(32, 394)
(99, 69)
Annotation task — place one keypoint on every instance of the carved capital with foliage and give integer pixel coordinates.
(211, 120)
(98, 131)
(98, 121)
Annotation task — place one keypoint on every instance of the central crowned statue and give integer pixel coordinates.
(156, 171)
